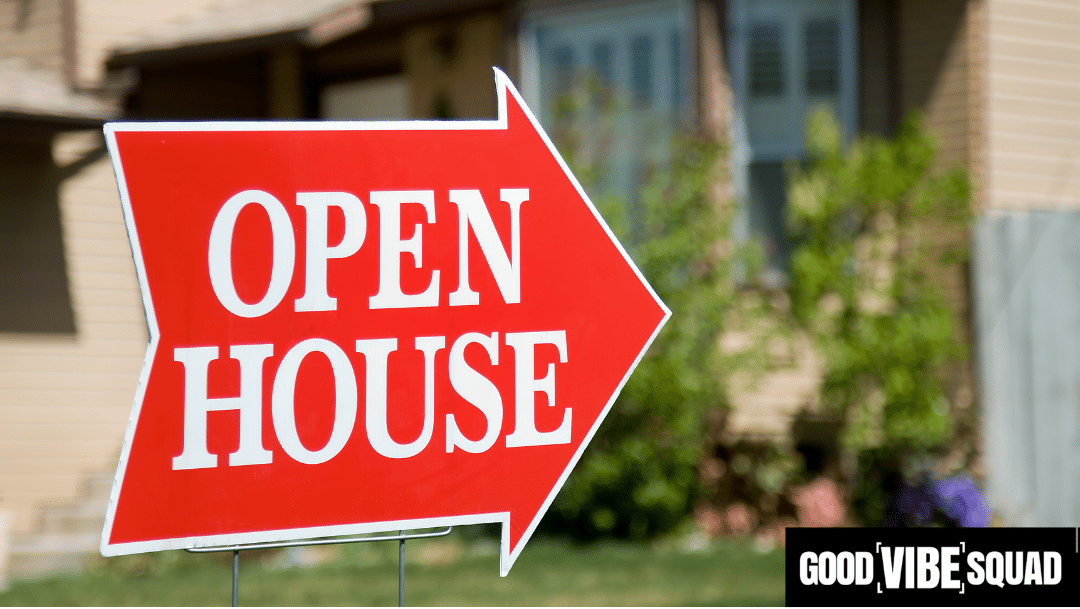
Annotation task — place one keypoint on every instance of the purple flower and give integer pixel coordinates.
(954, 501)
(915, 505)
(961, 502)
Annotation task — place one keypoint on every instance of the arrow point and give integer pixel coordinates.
(501, 79)
(519, 524)
(513, 112)
(502, 85)
(511, 545)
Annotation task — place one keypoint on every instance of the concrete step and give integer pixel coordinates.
(66, 535)
(49, 544)
(73, 518)
(97, 485)
(39, 555)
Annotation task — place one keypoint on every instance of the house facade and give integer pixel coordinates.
(994, 79)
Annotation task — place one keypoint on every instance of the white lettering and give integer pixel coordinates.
(864, 568)
(283, 407)
(392, 246)
(949, 566)
(196, 361)
(477, 390)
(1014, 568)
(892, 561)
(219, 253)
(1051, 568)
(928, 571)
(807, 570)
(319, 251)
(826, 568)
(526, 386)
(376, 352)
(1032, 570)
(995, 569)
(845, 568)
(505, 269)
(975, 574)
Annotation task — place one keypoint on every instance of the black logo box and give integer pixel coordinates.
(1064, 541)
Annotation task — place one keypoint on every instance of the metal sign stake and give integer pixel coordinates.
(236, 578)
(400, 538)
(401, 571)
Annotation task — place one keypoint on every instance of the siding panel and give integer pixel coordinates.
(1027, 280)
(107, 24)
(936, 73)
(1034, 104)
(72, 394)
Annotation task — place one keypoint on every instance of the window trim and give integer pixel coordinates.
(742, 155)
(738, 28)
(534, 17)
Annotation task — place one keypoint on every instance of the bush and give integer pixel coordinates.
(638, 477)
(866, 273)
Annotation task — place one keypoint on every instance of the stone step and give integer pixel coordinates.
(73, 518)
(55, 543)
(97, 485)
(47, 554)
(66, 535)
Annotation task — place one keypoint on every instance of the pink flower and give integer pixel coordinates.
(739, 519)
(819, 504)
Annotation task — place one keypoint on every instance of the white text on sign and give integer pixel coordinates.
(472, 213)
(467, 382)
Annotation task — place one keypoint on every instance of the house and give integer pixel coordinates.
(72, 331)
(995, 80)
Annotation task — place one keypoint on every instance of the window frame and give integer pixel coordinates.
(536, 17)
(742, 153)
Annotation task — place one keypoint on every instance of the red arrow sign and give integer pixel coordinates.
(360, 327)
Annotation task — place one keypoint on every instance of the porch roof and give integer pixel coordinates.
(41, 100)
(246, 24)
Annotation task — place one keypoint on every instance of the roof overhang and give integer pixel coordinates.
(40, 100)
(250, 25)
(246, 26)
(45, 123)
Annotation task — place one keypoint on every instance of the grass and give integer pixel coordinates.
(461, 570)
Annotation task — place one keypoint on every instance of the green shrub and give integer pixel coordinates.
(874, 226)
(638, 477)
(640, 474)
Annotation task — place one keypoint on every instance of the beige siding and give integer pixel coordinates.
(935, 67)
(107, 24)
(1033, 104)
(31, 30)
(66, 398)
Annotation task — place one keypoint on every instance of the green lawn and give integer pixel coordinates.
(459, 570)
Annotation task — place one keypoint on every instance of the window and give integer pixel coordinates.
(787, 56)
(641, 75)
(612, 83)
(822, 57)
(766, 60)
(34, 293)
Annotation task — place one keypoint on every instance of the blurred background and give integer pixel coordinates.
(863, 213)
